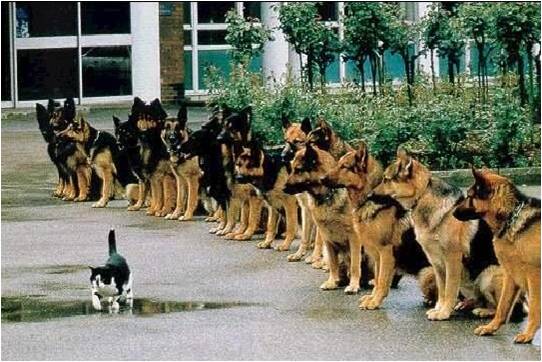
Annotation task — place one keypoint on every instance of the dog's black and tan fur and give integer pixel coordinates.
(108, 162)
(331, 210)
(267, 173)
(380, 222)
(514, 220)
(187, 172)
(449, 244)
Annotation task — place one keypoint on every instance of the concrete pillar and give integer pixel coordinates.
(424, 61)
(276, 54)
(144, 17)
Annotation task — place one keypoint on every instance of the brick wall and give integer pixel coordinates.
(171, 51)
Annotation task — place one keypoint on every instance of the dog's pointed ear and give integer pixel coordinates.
(311, 157)
(361, 155)
(478, 175)
(138, 106)
(41, 114)
(51, 105)
(306, 125)
(285, 121)
(69, 109)
(405, 162)
(116, 121)
(157, 110)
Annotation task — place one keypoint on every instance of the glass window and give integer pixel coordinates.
(107, 71)
(327, 10)
(214, 11)
(35, 19)
(332, 71)
(47, 73)
(492, 67)
(105, 18)
(186, 12)
(187, 37)
(188, 70)
(393, 64)
(443, 66)
(211, 37)
(253, 9)
(6, 67)
(218, 58)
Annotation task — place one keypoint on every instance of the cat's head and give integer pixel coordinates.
(100, 276)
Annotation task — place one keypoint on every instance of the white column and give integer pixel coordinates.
(275, 55)
(144, 17)
(424, 61)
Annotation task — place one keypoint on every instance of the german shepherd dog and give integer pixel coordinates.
(295, 136)
(55, 148)
(106, 159)
(458, 251)
(149, 158)
(515, 222)
(187, 172)
(331, 210)
(75, 182)
(380, 222)
(203, 144)
(244, 199)
(267, 173)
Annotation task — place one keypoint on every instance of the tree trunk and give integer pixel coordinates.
(362, 73)
(450, 70)
(372, 60)
(310, 73)
(408, 76)
(521, 80)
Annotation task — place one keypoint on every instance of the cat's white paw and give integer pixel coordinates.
(96, 302)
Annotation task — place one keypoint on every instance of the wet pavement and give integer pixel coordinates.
(198, 297)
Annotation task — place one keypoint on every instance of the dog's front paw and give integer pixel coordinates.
(351, 289)
(318, 264)
(364, 298)
(282, 247)
(369, 304)
(485, 330)
(310, 259)
(329, 285)
(185, 217)
(295, 257)
(439, 315)
(96, 304)
(243, 237)
(173, 215)
(99, 204)
(135, 207)
(80, 198)
(266, 244)
(524, 337)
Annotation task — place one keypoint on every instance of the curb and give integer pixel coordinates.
(520, 176)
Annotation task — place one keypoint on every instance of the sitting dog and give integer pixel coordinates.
(458, 251)
(381, 223)
(514, 220)
(267, 173)
(331, 210)
(187, 172)
(107, 160)
(112, 280)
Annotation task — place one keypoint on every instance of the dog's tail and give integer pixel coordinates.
(112, 242)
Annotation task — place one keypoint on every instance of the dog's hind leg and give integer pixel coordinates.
(192, 202)
(255, 213)
(243, 221)
(533, 319)
(142, 195)
(272, 226)
(290, 208)
(508, 296)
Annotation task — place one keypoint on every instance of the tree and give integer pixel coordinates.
(366, 25)
(326, 45)
(478, 23)
(246, 36)
(430, 36)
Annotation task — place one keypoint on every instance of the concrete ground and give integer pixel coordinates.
(199, 297)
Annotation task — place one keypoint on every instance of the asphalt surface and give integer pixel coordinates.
(199, 297)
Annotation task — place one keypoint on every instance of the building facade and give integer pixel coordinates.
(109, 52)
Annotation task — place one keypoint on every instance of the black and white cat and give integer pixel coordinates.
(112, 280)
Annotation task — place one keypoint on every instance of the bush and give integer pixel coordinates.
(444, 131)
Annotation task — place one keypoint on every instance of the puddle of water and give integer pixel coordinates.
(33, 309)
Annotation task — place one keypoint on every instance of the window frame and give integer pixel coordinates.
(77, 42)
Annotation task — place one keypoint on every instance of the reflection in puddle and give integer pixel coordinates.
(30, 309)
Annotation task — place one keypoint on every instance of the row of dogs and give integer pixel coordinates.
(365, 223)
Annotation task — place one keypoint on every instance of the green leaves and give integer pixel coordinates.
(247, 37)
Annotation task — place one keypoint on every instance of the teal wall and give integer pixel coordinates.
(393, 64)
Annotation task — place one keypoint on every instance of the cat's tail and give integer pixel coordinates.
(112, 242)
